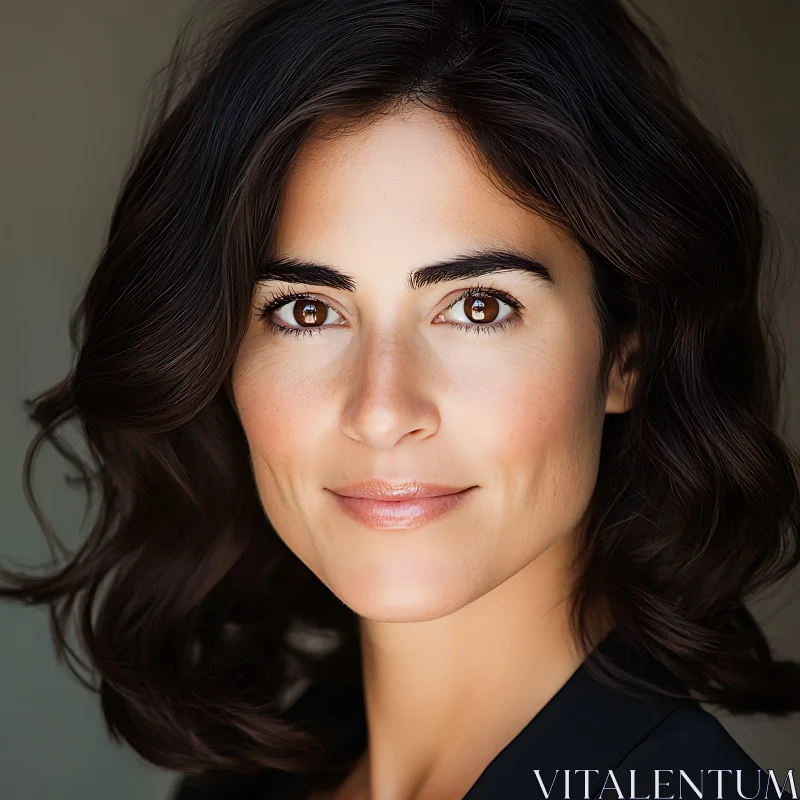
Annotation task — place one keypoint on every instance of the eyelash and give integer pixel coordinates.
(276, 301)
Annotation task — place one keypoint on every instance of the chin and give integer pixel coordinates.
(402, 609)
(392, 596)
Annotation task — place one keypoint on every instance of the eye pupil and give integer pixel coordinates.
(307, 313)
(477, 308)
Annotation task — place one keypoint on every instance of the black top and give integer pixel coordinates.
(598, 738)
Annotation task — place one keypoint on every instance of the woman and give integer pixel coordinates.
(433, 414)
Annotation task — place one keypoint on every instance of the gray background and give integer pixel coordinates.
(72, 76)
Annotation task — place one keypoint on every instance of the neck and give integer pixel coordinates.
(444, 696)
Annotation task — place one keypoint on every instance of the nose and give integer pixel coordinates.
(390, 392)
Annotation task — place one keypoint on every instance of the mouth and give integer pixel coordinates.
(381, 505)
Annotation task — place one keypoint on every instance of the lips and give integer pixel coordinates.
(377, 489)
(411, 504)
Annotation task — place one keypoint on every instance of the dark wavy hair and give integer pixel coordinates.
(184, 601)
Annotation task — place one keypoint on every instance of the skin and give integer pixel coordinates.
(465, 633)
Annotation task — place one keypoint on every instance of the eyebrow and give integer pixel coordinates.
(466, 265)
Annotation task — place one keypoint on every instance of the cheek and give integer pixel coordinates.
(552, 410)
(533, 399)
(279, 408)
(537, 421)
(282, 418)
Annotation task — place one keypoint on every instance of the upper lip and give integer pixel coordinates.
(378, 489)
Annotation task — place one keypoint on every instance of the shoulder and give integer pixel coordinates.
(691, 734)
(690, 748)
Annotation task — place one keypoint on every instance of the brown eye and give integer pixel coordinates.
(481, 309)
(300, 314)
(309, 312)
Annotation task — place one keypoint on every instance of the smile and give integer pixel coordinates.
(400, 514)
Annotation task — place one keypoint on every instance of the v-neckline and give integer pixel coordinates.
(584, 722)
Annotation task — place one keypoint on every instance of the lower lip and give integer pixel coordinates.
(400, 514)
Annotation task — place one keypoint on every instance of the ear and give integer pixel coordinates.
(621, 378)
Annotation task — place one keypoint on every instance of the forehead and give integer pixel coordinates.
(403, 191)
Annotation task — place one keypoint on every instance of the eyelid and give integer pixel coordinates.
(480, 290)
(281, 298)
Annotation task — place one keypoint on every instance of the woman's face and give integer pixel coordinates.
(376, 379)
